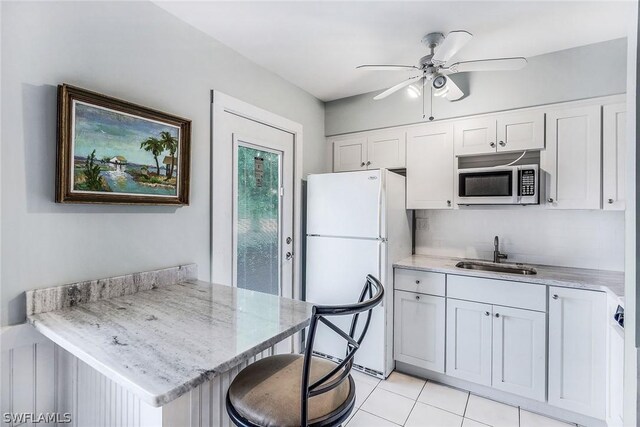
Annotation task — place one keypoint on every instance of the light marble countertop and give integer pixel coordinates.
(161, 343)
(599, 280)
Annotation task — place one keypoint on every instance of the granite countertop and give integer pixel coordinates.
(162, 342)
(598, 280)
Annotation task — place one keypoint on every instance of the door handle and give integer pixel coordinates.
(502, 143)
(492, 144)
(288, 256)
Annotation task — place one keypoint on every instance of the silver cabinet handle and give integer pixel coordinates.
(555, 296)
(448, 202)
(610, 201)
(288, 255)
(497, 314)
(492, 144)
(362, 164)
(417, 282)
(486, 313)
(502, 143)
(550, 200)
(418, 297)
(368, 163)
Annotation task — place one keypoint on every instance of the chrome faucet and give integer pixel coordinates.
(497, 256)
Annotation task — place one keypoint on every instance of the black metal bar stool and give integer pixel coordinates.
(291, 390)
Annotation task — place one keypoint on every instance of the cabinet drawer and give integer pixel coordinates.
(424, 282)
(499, 292)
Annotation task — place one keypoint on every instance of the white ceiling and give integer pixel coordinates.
(316, 45)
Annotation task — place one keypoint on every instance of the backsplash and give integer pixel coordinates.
(583, 239)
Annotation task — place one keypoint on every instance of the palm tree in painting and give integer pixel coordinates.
(156, 147)
(171, 144)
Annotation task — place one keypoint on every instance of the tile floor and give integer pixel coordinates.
(403, 400)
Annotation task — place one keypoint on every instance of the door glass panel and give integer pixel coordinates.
(258, 220)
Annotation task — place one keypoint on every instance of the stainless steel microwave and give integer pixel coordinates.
(502, 185)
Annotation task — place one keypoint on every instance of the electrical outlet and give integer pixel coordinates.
(422, 224)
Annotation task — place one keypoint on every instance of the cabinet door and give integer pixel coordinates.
(522, 131)
(519, 352)
(430, 167)
(577, 350)
(469, 341)
(572, 158)
(350, 154)
(475, 136)
(613, 156)
(386, 149)
(419, 330)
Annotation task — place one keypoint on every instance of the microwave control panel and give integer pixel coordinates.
(527, 182)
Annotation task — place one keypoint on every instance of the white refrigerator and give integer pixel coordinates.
(357, 224)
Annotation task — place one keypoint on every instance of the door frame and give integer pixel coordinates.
(221, 104)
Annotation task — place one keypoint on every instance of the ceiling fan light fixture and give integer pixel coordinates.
(414, 91)
(439, 82)
(442, 91)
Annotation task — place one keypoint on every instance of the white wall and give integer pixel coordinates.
(583, 72)
(585, 239)
(138, 52)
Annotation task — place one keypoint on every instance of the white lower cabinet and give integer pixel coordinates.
(497, 346)
(577, 350)
(551, 344)
(419, 330)
(519, 352)
(469, 341)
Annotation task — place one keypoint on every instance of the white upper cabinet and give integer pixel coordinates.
(500, 133)
(475, 136)
(419, 327)
(571, 161)
(350, 154)
(519, 352)
(370, 150)
(430, 166)
(521, 131)
(577, 350)
(386, 149)
(613, 156)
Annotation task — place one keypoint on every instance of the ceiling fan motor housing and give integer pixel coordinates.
(432, 40)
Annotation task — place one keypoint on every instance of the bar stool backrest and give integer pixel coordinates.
(373, 292)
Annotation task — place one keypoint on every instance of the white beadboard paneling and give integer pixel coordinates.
(583, 239)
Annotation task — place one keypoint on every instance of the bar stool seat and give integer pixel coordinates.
(268, 392)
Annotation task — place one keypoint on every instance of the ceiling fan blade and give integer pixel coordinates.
(454, 92)
(498, 64)
(396, 88)
(387, 67)
(454, 41)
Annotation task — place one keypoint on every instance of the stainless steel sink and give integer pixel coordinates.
(498, 268)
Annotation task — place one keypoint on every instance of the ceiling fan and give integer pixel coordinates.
(433, 67)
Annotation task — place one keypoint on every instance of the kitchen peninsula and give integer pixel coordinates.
(158, 348)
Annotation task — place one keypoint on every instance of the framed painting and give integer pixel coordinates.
(112, 151)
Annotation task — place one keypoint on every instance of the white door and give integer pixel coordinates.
(345, 204)
(522, 131)
(350, 154)
(336, 273)
(572, 158)
(263, 214)
(519, 352)
(386, 149)
(469, 341)
(614, 144)
(475, 136)
(419, 330)
(430, 167)
(577, 350)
